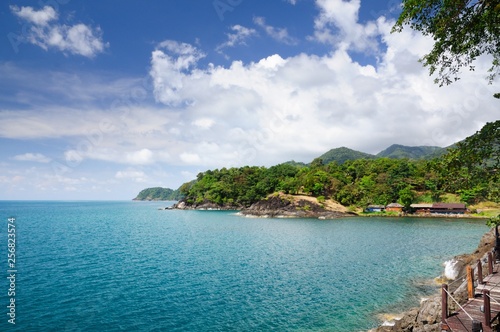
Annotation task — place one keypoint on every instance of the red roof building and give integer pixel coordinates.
(394, 207)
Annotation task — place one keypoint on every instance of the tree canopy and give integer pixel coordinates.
(158, 194)
(462, 30)
(358, 182)
(469, 171)
(473, 165)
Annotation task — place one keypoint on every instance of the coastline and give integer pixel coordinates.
(427, 316)
(280, 205)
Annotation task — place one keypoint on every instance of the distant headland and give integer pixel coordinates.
(402, 177)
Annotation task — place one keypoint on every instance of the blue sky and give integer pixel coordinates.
(99, 100)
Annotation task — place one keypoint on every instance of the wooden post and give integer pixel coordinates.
(497, 244)
(470, 282)
(487, 308)
(479, 272)
(444, 303)
(490, 262)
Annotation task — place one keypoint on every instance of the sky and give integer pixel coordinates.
(100, 99)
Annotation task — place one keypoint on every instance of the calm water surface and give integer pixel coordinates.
(126, 266)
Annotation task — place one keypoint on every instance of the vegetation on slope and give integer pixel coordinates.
(411, 152)
(158, 194)
(343, 154)
(395, 151)
(468, 171)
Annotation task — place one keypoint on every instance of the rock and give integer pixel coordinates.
(288, 206)
(206, 205)
(408, 321)
(278, 205)
(430, 312)
(427, 317)
(428, 328)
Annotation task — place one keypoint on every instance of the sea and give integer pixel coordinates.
(129, 266)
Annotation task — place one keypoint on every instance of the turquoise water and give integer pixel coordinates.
(127, 266)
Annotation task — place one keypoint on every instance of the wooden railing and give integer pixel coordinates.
(477, 314)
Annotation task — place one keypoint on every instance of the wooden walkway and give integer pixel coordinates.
(482, 310)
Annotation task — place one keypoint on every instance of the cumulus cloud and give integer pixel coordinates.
(313, 103)
(45, 32)
(140, 157)
(41, 17)
(34, 157)
(337, 24)
(269, 111)
(190, 158)
(272, 110)
(169, 63)
(279, 34)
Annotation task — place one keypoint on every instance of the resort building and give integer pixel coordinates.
(440, 208)
(421, 208)
(375, 208)
(395, 207)
(448, 208)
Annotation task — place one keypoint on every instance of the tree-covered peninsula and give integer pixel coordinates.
(158, 194)
(468, 171)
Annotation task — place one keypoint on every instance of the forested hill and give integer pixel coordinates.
(412, 152)
(158, 194)
(343, 154)
(395, 151)
(470, 171)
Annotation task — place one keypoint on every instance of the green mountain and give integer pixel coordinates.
(338, 155)
(295, 163)
(343, 154)
(397, 151)
(158, 194)
(398, 174)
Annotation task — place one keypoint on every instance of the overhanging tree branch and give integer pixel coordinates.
(462, 30)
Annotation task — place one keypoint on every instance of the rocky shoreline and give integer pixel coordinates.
(427, 317)
(288, 206)
(278, 206)
(204, 206)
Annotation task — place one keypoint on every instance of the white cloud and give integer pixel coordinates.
(140, 157)
(46, 32)
(204, 123)
(304, 105)
(169, 62)
(35, 157)
(269, 111)
(137, 176)
(239, 37)
(279, 34)
(258, 113)
(41, 17)
(337, 24)
(57, 182)
(190, 158)
(264, 112)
